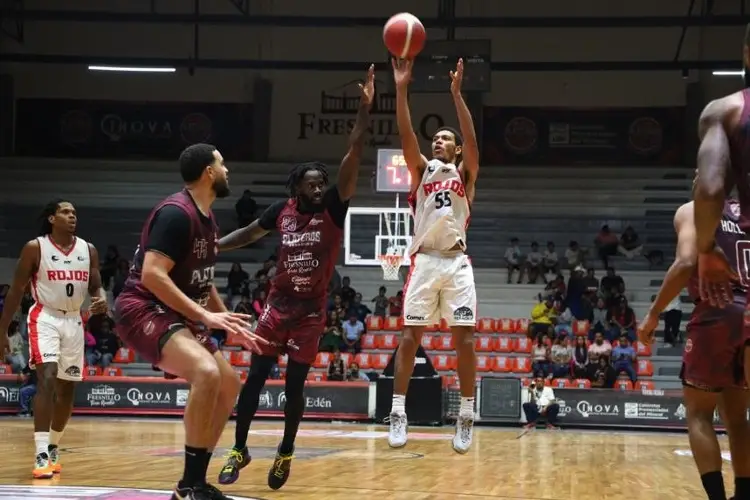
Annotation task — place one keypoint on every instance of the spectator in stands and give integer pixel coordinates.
(358, 309)
(560, 355)
(541, 318)
(3, 292)
(347, 292)
(600, 348)
(337, 304)
(541, 403)
(381, 303)
(90, 343)
(574, 255)
(259, 301)
(268, 269)
(396, 303)
(598, 320)
(331, 339)
(16, 357)
(244, 306)
(336, 368)
(121, 275)
(672, 319)
(606, 243)
(612, 284)
(550, 261)
(630, 245)
(621, 320)
(580, 358)
(623, 358)
(564, 323)
(26, 302)
(353, 330)
(109, 265)
(534, 264)
(237, 283)
(245, 208)
(557, 287)
(107, 343)
(604, 375)
(262, 282)
(28, 390)
(540, 357)
(355, 374)
(575, 292)
(590, 282)
(514, 260)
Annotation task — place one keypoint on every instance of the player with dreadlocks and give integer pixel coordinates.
(62, 269)
(311, 224)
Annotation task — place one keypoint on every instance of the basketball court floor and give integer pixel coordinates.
(341, 461)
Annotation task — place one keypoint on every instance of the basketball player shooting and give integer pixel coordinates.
(62, 269)
(440, 283)
(169, 304)
(311, 223)
(712, 360)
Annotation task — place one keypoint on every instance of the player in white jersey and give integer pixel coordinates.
(440, 284)
(62, 269)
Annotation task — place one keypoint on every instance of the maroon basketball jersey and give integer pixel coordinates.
(739, 148)
(193, 275)
(731, 239)
(310, 244)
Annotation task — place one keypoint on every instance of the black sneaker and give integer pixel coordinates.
(236, 461)
(279, 472)
(216, 494)
(201, 492)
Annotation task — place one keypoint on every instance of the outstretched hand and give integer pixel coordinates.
(402, 71)
(457, 77)
(367, 89)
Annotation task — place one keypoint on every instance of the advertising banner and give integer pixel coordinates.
(568, 136)
(144, 395)
(71, 128)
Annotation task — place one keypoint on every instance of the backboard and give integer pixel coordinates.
(373, 231)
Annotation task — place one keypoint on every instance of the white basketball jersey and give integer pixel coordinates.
(62, 281)
(440, 208)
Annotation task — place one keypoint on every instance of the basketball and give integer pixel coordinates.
(404, 35)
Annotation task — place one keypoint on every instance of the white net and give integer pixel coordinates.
(391, 265)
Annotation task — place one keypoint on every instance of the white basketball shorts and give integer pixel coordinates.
(56, 336)
(440, 287)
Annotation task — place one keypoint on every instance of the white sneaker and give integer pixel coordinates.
(398, 430)
(464, 434)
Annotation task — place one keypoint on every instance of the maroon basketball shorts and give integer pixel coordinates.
(297, 335)
(712, 359)
(146, 326)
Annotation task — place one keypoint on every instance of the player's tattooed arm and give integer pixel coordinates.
(27, 265)
(415, 162)
(255, 230)
(470, 148)
(349, 169)
(712, 181)
(96, 291)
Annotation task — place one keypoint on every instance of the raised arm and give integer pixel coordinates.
(415, 162)
(470, 146)
(349, 169)
(27, 265)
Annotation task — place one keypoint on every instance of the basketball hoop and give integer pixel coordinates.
(391, 265)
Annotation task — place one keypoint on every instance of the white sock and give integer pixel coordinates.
(399, 404)
(41, 439)
(54, 437)
(467, 407)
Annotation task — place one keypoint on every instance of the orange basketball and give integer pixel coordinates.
(404, 35)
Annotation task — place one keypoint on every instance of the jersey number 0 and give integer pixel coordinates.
(742, 251)
(69, 289)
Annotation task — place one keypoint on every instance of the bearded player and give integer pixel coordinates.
(62, 269)
(440, 283)
(712, 360)
(169, 304)
(311, 224)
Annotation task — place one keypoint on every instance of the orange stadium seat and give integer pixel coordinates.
(642, 349)
(444, 326)
(124, 355)
(525, 382)
(227, 355)
(387, 341)
(484, 364)
(522, 326)
(581, 328)
(242, 374)
(317, 376)
(92, 371)
(486, 325)
(502, 364)
(283, 360)
(484, 343)
(5, 369)
(363, 360)
(645, 368)
(369, 341)
(450, 380)
(624, 384)
(522, 364)
(428, 342)
(582, 383)
(505, 325)
(112, 371)
(523, 345)
(347, 357)
(380, 361)
(504, 344)
(444, 343)
(85, 315)
(233, 340)
(644, 385)
(561, 383)
(241, 358)
(322, 359)
(393, 323)
(432, 328)
(374, 323)
(443, 362)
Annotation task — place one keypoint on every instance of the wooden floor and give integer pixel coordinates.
(345, 461)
